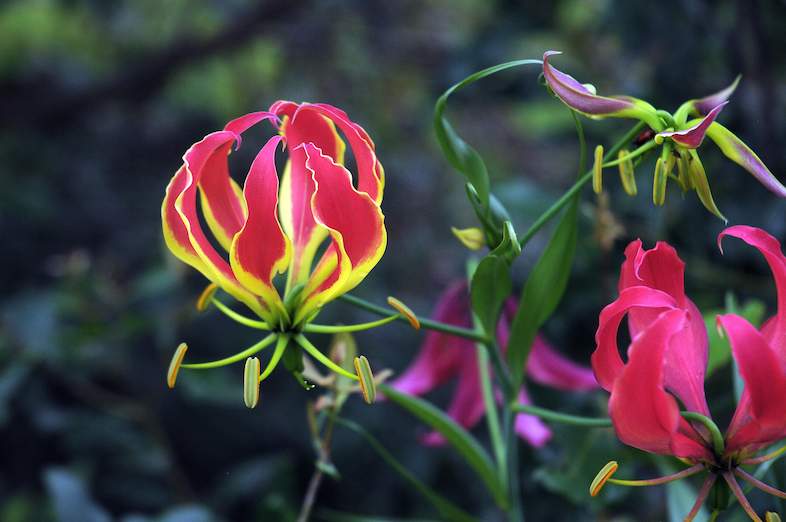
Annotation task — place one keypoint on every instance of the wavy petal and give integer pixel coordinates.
(581, 99)
(297, 185)
(775, 328)
(441, 355)
(606, 361)
(220, 271)
(692, 136)
(760, 417)
(260, 249)
(644, 415)
(704, 105)
(548, 367)
(734, 149)
(355, 224)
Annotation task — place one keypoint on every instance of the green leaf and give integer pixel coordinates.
(467, 446)
(509, 248)
(446, 508)
(491, 285)
(458, 152)
(543, 289)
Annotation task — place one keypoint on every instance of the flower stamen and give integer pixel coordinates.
(735, 488)
(704, 492)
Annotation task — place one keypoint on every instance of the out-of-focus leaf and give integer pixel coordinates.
(31, 320)
(720, 350)
(71, 499)
(445, 507)
(491, 285)
(328, 515)
(10, 379)
(187, 514)
(467, 446)
(544, 289)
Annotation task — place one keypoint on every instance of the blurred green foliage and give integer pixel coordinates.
(98, 102)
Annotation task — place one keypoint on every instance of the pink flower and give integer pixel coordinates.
(443, 357)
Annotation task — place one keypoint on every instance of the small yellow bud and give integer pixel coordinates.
(204, 298)
(627, 175)
(769, 516)
(366, 379)
(174, 364)
(251, 382)
(602, 477)
(597, 170)
(659, 183)
(471, 238)
(405, 311)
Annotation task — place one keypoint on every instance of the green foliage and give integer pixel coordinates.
(490, 286)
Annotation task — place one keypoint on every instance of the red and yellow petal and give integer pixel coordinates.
(356, 226)
(175, 232)
(260, 250)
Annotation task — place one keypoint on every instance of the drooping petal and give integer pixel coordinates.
(692, 136)
(219, 269)
(529, 427)
(606, 361)
(579, 98)
(775, 329)
(704, 105)
(222, 200)
(742, 155)
(260, 249)
(297, 185)
(546, 366)
(175, 232)
(441, 355)
(686, 359)
(761, 415)
(467, 406)
(355, 224)
(644, 415)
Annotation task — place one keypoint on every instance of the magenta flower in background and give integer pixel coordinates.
(443, 357)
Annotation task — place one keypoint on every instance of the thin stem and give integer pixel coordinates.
(321, 357)
(638, 152)
(764, 458)
(582, 142)
(687, 472)
(566, 197)
(759, 484)
(281, 345)
(735, 488)
(264, 343)
(717, 438)
(512, 448)
(704, 491)
(238, 318)
(327, 329)
(323, 456)
(424, 323)
(563, 418)
(492, 417)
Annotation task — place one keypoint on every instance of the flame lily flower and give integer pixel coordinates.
(666, 363)
(678, 135)
(273, 226)
(443, 357)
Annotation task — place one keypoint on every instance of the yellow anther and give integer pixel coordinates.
(627, 175)
(405, 311)
(683, 176)
(659, 183)
(174, 364)
(204, 298)
(471, 238)
(769, 516)
(366, 379)
(251, 382)
(602, 477)
(597, 170)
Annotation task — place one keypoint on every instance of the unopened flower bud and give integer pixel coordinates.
(659, 183)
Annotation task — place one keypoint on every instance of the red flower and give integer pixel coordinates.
(443, 357)
(266, 229)
(667, 359)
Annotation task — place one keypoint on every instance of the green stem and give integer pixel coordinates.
(424, 323)
(492, 417)
(238, 318)
(321, 357)
(327, 329)
(281, 345)
(638, 152)
(516, 513)
(248, 352)
(562, 418)
(717, 438)
(582, 142)
(566, 197)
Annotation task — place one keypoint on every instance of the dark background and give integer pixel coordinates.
(98, 102)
